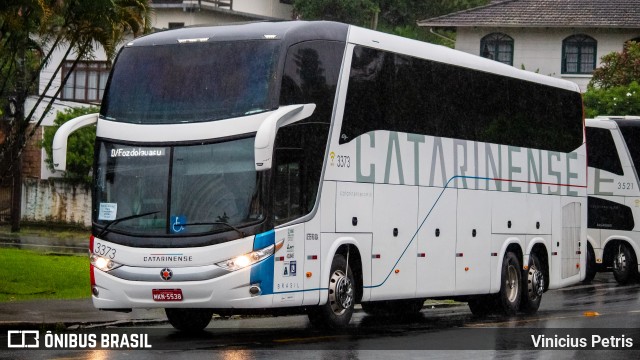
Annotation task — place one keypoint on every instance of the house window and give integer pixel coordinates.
(498, 47)
(578, 54)
(87, 81)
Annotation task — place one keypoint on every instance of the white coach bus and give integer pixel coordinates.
(614, 197)
(310, 166)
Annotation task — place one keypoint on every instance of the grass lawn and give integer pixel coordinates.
(29, 275)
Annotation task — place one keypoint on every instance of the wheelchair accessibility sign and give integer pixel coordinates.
(289, 269)
(177, 223)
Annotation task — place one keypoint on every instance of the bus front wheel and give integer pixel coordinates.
(189, 320)
(337, 312)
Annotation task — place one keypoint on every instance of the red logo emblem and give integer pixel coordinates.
(166, 274)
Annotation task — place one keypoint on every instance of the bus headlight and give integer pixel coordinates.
(102, 263)
(248, 259)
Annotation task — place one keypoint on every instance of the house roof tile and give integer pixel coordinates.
(545, 13)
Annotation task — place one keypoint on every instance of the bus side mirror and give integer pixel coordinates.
(266, 135)
(59, 146)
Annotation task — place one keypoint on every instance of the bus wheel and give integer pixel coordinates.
(625, 266)
(337, 312)
(591, 265)
(189, 320)
(511, 279)
(481, 305)
(533, 286)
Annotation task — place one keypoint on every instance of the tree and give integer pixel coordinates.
(357, 12)
(79, 145)
(31, 31)
(614, 88)
(397, 17)
(618, 68)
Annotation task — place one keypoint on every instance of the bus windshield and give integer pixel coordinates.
(186, 83)
(176, 190)
(631, 133)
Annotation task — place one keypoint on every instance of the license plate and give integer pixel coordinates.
(167, 294)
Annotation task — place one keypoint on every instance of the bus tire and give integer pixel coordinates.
(511, 281)
(337, 312)
(533, 284)
(592, 268)
(482, 305)
(189, 320)
(625, 265)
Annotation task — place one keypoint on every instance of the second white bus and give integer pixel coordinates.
(614, 197)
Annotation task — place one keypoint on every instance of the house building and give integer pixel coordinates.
(560, 38)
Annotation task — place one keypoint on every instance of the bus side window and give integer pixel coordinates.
(601, 151)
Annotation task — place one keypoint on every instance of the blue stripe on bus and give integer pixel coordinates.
(262, 272)
(263, 240)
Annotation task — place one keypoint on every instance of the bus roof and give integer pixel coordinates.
(290, 31)
(296, 31)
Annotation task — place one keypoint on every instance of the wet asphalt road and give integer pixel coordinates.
(601, 309)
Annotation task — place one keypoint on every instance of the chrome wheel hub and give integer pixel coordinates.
(620, 261)
(536, 282)
(340, 292)
(511, 283)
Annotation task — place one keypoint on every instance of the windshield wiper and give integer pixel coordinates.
(242, 233)
(115, 221)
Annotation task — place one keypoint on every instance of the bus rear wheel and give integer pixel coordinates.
(189, 320)
(625, 265)
(592, 268)
(511, 280)
(337, 312)
(532, 286)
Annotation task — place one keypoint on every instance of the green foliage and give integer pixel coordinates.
(79, 146)
(32, 275)
(615, 100)
(618, 68)
(397, 17)
(614, 89)
(356, 12)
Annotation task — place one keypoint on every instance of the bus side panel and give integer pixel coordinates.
(539, 215)
(509, 213)
(436, 260)
(311, 260)
(288, 271)
(474, 242)
(354, 207)
(393, 257)
(328, 207)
